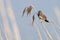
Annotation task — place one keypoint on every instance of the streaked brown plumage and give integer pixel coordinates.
(24, 11)
(33, 18)
(42, 16)
(28, 10)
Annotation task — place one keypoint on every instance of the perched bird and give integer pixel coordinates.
(33, 18)
(28, 10)
(42, 16)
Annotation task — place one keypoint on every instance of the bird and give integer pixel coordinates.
(28, 10)
(42, 16)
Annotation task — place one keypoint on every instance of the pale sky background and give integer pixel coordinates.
(26, 29)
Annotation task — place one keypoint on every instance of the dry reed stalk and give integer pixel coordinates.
(44, 32)
(53, 28)
(57, 13)
(49, 35)
(38, 31)
(13, 20)
(52, 23)
(0, 36)
(7, 30)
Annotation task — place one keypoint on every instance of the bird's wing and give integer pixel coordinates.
(43, 16)
(24, 11)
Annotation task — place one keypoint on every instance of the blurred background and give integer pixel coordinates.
(15, 27)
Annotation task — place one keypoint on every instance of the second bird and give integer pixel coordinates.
(42, 16)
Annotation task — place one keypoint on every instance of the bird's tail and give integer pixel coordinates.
(46, 20)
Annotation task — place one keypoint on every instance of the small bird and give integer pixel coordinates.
(28, 10)
(33, 18)
(42, 16)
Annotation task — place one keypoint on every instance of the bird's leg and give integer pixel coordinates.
(41, 20)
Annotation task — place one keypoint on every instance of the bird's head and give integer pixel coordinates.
(39, 12)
